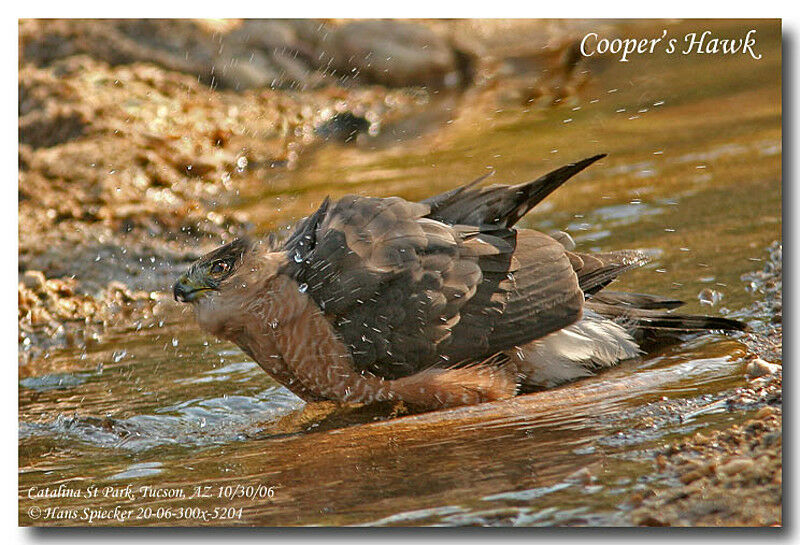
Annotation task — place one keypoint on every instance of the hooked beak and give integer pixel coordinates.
(187, 291)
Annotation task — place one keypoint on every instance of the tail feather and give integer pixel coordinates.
(636, 300)
(500, 205)
(532, 193)
(643, 318)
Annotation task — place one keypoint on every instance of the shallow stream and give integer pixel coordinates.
(693, 172)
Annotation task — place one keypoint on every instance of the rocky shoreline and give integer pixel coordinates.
(700, 473)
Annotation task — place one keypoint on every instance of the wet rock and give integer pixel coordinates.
(651, 520)
(522, 62)
(737, 465)
(344, 127)
(760, 368)
(55, 312)
(46, 129)
(691, 476)
(638, 497)
(272, 53)
(728, 476)
(766, 412)
(257, 53)
(306, 54)
(33, 280)
(392, 53)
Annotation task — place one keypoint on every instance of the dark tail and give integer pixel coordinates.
(501, 205)
(654, 320)
(530, 194)
(636, 300)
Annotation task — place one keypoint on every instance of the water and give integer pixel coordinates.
(693, 174)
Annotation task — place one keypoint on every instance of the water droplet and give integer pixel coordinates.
(297, 257)
(302, 287)
(174, 341)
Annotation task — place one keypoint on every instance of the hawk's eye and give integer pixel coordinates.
(219, 268)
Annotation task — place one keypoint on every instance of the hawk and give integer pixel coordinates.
(436, 303)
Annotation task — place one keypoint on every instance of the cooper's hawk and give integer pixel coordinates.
(435, 303)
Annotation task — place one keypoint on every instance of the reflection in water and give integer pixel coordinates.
(694, 176)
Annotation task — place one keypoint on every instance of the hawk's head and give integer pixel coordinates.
(221, 282)
(212, 272)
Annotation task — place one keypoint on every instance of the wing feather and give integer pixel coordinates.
(406, 292)
(391, 281)
(525, 294)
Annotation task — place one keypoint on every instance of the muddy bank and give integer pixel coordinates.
(136, 137)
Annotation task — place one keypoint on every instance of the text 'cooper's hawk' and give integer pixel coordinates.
(435, 303)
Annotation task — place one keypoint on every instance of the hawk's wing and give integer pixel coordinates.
(405, 291)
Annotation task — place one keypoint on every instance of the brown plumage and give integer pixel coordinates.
(437, 303)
